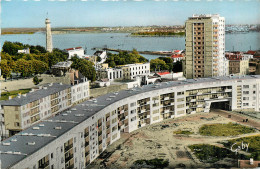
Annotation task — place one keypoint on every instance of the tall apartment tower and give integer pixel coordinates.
(48, 35)
(205, 47)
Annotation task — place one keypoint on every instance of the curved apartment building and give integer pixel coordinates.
(75, 138)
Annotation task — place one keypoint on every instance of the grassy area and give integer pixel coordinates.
(253, 148)
(211, 154)
(5, 95)
(157, 163)
(183, 132)
(229, 129)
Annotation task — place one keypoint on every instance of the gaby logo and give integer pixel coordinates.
(236, 147)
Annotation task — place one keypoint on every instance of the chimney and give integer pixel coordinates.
(10, 97)
(60, 83)
(24, 95)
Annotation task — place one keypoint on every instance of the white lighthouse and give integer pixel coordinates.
(48, 35)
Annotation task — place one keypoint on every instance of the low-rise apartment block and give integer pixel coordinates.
(238, 63)
(130, 71)
(76, 137)
(25, 110)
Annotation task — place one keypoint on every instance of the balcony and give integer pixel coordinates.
(200, 105)
(70, 167)
(166, 98)
(68, 158)
(228, 90)
(68, 147)
(166, 111)
(86, 134)
(193, 100)
(108, 119)
(45, 165)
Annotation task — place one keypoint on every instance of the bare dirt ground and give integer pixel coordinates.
(159, 141)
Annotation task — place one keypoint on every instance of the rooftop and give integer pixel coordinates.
(35, 95)
(25, 143)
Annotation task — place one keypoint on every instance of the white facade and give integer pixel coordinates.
(219, 46)
(80, 92)
(114, 73)
(86, 130)
(25, 51)
(79, 51)
(130, 71)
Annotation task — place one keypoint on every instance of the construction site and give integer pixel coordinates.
(170, 140)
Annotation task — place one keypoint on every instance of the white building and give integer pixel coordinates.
(130, 71)
(76, 137)
(25, 51)
(79, 51)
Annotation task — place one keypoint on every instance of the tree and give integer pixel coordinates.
(36, 80)
(39, 67)
(5, 69)
(12, 48)
(85, 67)
(158, 64)
(24, 67)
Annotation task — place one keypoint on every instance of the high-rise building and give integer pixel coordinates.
(48, 35)
(205, 46)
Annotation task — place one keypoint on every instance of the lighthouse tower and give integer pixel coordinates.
(48, 35)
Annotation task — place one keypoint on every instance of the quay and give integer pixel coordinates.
(166, 53)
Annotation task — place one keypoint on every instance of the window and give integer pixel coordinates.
(245, 104)
(245, 92)
(246, 86)
(51, 155)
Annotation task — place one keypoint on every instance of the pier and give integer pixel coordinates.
(162, 53)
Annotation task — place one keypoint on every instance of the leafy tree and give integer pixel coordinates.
(158, 64)
(39, 67)
(168, 62)
(24, 67)
(36, 80)
(5, 69)
(12, 48)
(123, 58)
(85, 67)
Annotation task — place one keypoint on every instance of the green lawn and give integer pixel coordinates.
(14, 93)
(229, 129)
(211, 154)
(253, 148)
(183, 132)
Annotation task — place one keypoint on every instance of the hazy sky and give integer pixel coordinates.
(62, 13)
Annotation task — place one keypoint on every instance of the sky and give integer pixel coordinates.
(94, 13)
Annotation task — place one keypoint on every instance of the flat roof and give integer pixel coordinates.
(39, 135)
(35, 95)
